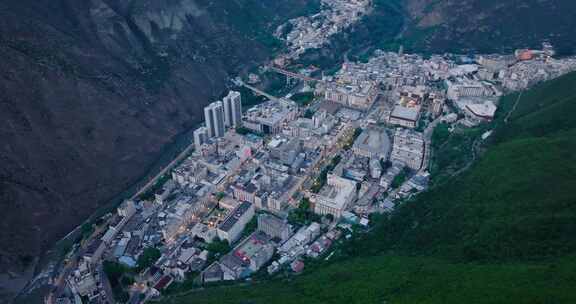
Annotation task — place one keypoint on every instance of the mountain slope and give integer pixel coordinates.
(490, 25)
(91, 91)
(500, 233)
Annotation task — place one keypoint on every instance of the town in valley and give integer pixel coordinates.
(265, 190)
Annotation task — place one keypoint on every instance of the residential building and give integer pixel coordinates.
(214, 117)
(482, 111)
(213, 273)
(274, 227)
(405, 116)
(233, 109)
(373, 143)
(270, 117)
(335, 196)
(408, 148)
(231, 228)
(83, 280)
(127, 208)
(355, 96)
(200, 137)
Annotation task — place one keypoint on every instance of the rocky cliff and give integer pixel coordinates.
(92, 90)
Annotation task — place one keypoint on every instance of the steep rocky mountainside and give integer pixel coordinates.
(92, 90)
(490, 25)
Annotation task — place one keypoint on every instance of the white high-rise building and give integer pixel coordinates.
(214, 116)
(233, 109)
(200, 137)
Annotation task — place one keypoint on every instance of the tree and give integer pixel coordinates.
(400, 178)
(251, 226)
(86, 230)
(303, 215)
(220, 196)
(114, 270)
(352, 139)
(385, 164)
(329, 217)
(127, 281)
(308, 114)
(242, 130)
(148, 257)
(115, 273)
(303, 98)
(219, 247)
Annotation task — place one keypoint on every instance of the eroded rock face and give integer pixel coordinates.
(490, 25)
(90, 93)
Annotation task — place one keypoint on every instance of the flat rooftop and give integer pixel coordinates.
(410, 114)
(484, 110)
(374, 140)
(234, 216)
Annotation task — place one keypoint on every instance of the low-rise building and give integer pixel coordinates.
(335, 196)
(204, 232)
(360, 96)
(373, 142)
(408, 148)
(303, 236)
(274, 227)
(269, 117)
(231, 228)
(482, 111)
(405, 116)
(127, 208)
(245, 259)
(213, 273)
(83, 281)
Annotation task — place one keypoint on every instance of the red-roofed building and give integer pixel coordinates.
(164, 282)
(297, 266)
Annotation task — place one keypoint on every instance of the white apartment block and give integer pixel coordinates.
(408, 148)
(231, 228)
(233, 109)
(335, 197)
(214, 117)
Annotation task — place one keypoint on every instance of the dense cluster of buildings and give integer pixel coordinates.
(271, 116)
(359, 96)
(218, 116)
(359, 149)
(416, 86)
(310, 32)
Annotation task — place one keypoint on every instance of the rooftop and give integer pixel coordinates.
(234, 216)
(405, 113)
(375, 140)
(484, 110)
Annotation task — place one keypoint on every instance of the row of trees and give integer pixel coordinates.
(303, 215)
(321, 180)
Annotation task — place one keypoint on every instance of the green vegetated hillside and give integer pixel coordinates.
(501, 232)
